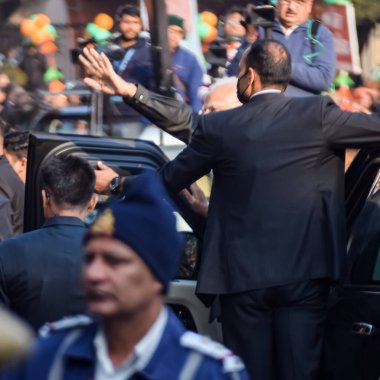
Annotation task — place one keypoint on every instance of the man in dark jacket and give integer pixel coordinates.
(275, 237)
(40, 270)
(11, 185)
(135, 65)
(6, 229)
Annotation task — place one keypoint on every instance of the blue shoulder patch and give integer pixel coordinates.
(206, 346)
(64, 324)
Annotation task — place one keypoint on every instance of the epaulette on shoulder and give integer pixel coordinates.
(64, 324)
(215, 350)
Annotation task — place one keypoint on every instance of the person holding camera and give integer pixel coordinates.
(134, 65)
(309, 43)
(233, 30)
(224, 48)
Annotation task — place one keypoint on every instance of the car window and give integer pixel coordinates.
(192, 244)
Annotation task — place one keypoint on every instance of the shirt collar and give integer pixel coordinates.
(59, 220)
(140, 357)
(278, 27)
(290, 30)
(147, 345)
(269, 91)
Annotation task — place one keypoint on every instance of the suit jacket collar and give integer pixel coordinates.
(278, 27)
(63, 220)
(267, 97)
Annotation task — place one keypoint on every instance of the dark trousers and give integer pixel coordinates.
(277, 331)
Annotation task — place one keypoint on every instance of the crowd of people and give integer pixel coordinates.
(274, 242)
(310, 45)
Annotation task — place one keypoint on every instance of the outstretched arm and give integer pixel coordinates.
(171, 115)
(195, 197)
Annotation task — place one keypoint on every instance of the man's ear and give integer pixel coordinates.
(252, 75)
(23, 163)
(45, 199)
(92, 204)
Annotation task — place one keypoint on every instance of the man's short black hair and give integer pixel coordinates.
(5, 127)
(127, 9)
(16, 143)
(70, 180)
(271, 60)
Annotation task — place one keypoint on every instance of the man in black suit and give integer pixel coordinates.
(11, 185)
(40, 270)
(6, 229)
(275, 237)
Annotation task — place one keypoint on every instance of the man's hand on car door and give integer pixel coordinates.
(104, 175)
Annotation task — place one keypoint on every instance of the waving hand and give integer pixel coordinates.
(102, 77)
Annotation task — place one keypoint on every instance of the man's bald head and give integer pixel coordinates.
(221, 96)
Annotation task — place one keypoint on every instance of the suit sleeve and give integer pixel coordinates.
(6, 229)
(4, 299)
(197, 158)
(10, 278)
(316, 73)
(343, 129)
(171, 115)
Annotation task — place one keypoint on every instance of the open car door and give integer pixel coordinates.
(352, 347)
(127, 157)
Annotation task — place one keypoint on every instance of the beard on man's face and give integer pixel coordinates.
(129, 38)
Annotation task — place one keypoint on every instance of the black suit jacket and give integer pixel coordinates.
(40, 271)
(276, 211)
(13, 188)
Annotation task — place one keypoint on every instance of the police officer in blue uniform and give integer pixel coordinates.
(131, 253)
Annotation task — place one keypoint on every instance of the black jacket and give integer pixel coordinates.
(171, 115)
(6, 230)
(276, 212)
(40, 271)
(13, 188)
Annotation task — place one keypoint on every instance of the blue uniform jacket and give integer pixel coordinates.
(40, 271)
(190, 73)
(78, 358)
(59, 357)
(313, 64)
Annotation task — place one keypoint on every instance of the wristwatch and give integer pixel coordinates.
(114, 185)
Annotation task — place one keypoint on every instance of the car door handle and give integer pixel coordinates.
(362, 328)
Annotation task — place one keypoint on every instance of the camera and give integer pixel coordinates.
(112, 50)
(216, 56)
(261, 13)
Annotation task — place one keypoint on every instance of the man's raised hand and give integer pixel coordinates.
(102, 77)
